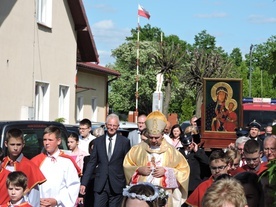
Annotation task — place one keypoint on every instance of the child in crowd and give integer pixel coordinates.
(235, 158)
(62, 186)
(252, 156)
(144, 195)
(17, 184)
(16, 161)
(76, 153)
(219, 164)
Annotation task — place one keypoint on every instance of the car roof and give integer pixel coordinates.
(128, 125)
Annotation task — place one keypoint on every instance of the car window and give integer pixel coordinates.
(33, 137)
(34, 142)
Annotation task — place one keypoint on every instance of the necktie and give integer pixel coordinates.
(53, 159)
(11, 163)
(109, 153)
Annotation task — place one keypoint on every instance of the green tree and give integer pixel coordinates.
(262, 63)
(122, 97)
(205, 65)
(169, 60)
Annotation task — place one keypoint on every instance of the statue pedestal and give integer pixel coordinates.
(157, 101)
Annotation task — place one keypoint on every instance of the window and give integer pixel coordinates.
(41, 101)
(94, 109)
(79, 108)
(44, 12)
(64, 103)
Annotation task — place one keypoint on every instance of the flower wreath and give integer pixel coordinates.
(158, 193)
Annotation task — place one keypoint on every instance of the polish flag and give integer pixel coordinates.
(142, 12)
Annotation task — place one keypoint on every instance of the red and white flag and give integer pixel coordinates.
(142, 12)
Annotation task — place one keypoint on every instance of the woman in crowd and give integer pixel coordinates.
(176, 131)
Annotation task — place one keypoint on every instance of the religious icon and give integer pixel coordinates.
(221, 103)
(217, 111)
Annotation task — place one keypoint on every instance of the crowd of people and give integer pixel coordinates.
(157, 165)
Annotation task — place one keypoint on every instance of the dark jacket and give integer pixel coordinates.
(107, 170)
(199, 167)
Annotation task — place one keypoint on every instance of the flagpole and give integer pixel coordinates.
(160, 77)
(137, 71)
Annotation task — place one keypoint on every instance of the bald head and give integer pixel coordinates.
(270, 147)
(141, 122)
(168, 127)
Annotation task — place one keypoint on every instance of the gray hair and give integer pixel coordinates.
(98, 132)
(113, 116)
(241, 140)
(269, 137)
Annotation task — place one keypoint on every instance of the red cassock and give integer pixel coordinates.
(35, 176)
(25, 204)
(4, 196)
(196, 197)
(245, 168)
(39, 159)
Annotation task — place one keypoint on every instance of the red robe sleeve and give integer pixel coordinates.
(196, 197)
(4, 196)
(32, 171)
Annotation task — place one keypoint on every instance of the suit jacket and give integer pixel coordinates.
(107, 170)
(199, 167)
(134, 137)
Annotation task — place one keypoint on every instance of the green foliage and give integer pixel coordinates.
(184, 66)
(187, 109)
(60, 120)
(205, 41)
(122, 95)
(236, 57)
(147, 33)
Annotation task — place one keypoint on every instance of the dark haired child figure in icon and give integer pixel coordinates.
(230, 124)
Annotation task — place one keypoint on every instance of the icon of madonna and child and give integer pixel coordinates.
(220, 114)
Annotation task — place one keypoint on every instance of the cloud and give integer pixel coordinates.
(107, 36)
(212, 15)
(258, 19)
(104, 8)
(106, 32)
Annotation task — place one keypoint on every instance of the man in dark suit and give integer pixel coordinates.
(107, 155)
(198, 161)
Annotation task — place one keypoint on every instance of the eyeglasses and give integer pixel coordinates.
(236, 164)
(252, 159)
(218, 168)
(240, 149)
(271, 149)
(82, 128)
(112, 125)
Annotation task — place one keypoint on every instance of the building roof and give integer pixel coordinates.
(88, 66)
(85, 41)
